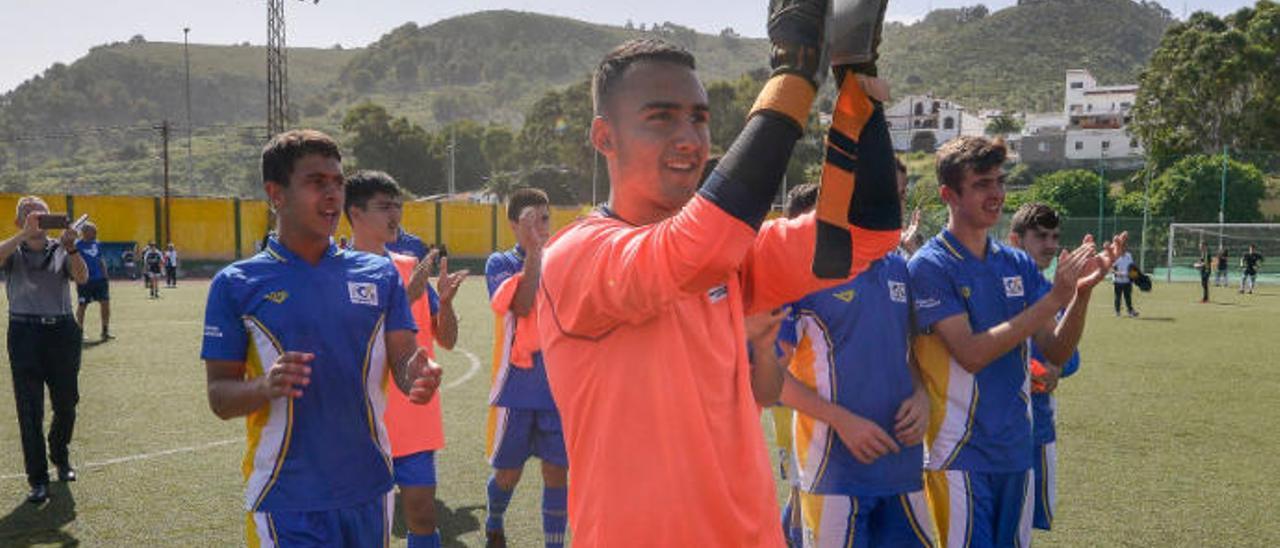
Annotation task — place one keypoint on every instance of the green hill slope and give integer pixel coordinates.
(492, 67)
(1016, 58)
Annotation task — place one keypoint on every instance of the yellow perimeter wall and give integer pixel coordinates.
(206, 228)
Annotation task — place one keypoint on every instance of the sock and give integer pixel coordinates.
(425, 541)
(498, 500)
(555, 515)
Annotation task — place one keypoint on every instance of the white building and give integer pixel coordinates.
(1098, 118)
(924, 116)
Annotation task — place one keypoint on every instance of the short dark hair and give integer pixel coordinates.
(801, 199)
(1034, 215)
(978, 154)
(363, 185)
(284, 149)
(525, 197)
(616, 62)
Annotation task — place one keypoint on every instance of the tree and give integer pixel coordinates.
(555, 134)
(1190, 191)
(1213, 82)
(1074, 193)
(1003, 124)
(394, 145)
(924, 141)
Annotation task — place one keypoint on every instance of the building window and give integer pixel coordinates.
(919, 109)
(949, 123)
(1044, 147)
(1079, 145)
(1106, 145)
(1077, 85)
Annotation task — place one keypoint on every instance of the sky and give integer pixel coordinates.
(34, 34)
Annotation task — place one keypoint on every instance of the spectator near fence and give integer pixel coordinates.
(171, 266)
(44, 339)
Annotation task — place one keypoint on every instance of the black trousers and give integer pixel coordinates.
(1204, 285)
(1126, 290)
(45, 355)
(171, 275)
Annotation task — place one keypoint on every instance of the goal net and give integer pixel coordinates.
(1183, 249)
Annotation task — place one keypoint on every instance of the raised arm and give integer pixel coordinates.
(445, 320)
(975, 351)
(1059, 339)
(30, 227)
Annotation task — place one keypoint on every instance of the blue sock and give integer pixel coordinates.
(498, 500)
(425, 541)
(555, 515)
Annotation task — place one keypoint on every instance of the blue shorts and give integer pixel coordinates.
(517, 434)
(850, 521)
(416, 469)
(1046, 477)
(982, 510)
(93, 291)
(365, 524)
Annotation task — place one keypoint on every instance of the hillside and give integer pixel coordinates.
(143, 82)
(492, 66)
(1016, 58)
(84, 127)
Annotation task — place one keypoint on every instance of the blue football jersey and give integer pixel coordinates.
(514, 387)
(985, 423)
(852, 349)
(328, 448)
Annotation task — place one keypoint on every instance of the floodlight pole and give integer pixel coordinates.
(186, 56)
(1146, 216)
(1222, 196)
(1102, 188)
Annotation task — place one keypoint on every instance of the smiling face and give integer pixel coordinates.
(978, 200)
(1041, 243)
(655, 134)
(309, 207)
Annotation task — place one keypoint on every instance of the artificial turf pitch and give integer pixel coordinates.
(1165, 436)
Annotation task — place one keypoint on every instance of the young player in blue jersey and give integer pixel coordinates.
(301, 338)
(852, 384)
(1035, 230)
(979, 304)
(97, 288)
(373, 207)
(800, 200)
(523, 419)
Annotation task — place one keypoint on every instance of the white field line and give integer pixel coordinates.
(471, 372)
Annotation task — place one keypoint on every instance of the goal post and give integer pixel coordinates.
(1183, 247)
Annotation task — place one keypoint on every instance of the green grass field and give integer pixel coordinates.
(1164, 436)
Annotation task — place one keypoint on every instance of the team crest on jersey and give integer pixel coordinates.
(718, 293)
(1013, 286)
(277, 297)
(846, 295)
(897, 292)
(363, 293)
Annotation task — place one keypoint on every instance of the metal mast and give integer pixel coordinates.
(277, 70)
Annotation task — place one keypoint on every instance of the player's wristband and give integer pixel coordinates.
(790, 95)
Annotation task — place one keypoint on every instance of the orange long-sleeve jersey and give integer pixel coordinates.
(642, 332)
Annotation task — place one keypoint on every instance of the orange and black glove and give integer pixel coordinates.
(858, 192)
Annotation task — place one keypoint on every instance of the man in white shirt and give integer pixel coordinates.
(1123, 285)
